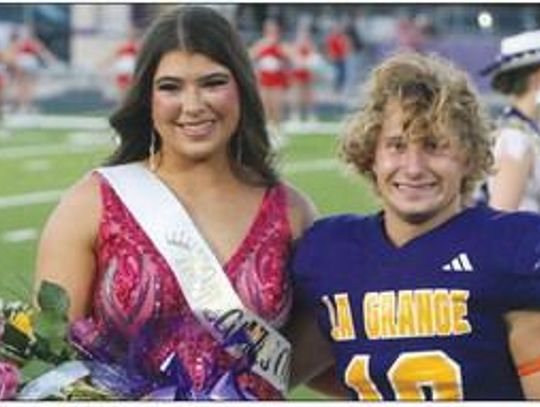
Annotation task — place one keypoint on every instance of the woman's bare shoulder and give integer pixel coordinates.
(80, 205)
(301, 210)
(67, 244)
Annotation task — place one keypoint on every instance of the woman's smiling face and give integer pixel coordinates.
(195, 107)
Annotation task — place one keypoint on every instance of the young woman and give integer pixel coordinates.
(193, 142)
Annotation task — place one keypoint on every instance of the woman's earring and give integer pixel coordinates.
(152, 152)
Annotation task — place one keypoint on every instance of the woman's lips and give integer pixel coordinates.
(197, 129)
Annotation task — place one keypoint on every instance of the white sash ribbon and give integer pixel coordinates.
(204, 284)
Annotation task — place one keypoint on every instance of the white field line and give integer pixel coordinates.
(32, 198)
(322, 164)
(315, 127)
(41, 121)
(20, 235)
(45, 197)
(48, 150)
(31, 121)
(36, 165)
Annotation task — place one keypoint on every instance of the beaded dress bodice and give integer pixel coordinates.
(136, 290)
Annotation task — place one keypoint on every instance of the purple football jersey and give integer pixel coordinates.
(425, 320)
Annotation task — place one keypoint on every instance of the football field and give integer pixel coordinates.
(37, 166)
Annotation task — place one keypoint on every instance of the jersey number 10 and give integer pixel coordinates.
(409, 373)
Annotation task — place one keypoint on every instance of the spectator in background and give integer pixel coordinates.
(272, 65)
(304, 57)
(355, 63)
(410, 34)
(338, 48)
(121, 62)
(124, 64)
(426, 26)
(27, 55)
(516, 74)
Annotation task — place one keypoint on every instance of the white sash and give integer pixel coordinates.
(204, 284)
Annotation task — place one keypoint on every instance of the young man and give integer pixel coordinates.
(430, 298)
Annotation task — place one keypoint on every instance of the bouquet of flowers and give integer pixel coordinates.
(36, 358)
(42, 356)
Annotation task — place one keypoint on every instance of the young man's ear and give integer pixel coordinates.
(469, 165)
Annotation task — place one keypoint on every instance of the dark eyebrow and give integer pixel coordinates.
(210, 76)
(214, 75)
(162, 79)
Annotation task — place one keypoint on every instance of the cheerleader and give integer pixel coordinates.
(304, 56)
(272, 62)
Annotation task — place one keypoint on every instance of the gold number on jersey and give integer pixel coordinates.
(408, 375)
(357, 378)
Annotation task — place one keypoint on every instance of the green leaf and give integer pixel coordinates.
(57, 345)
(15, 338)
(53, 298)
(9, 354)
(41, 349)
(35, 368)
(50, 325)
(82, 391)
(69, 352)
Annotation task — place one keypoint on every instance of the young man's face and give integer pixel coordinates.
(419, 177)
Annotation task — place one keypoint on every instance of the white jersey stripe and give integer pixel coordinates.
(456, 265)
(467, 266)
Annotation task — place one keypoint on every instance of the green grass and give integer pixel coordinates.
(331, 190)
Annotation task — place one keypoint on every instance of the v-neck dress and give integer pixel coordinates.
(142, 292)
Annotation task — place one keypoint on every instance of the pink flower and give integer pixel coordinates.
(9, 381)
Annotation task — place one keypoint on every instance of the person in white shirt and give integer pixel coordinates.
(515, 183)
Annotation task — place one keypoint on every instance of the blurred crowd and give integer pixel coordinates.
(298, 67)
(309, 63)
(311, 66)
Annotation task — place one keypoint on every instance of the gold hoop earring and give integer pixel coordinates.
(152, 152)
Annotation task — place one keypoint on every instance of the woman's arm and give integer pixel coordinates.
(301, 211)
(513, 167)
(66, 249)
(312, 359)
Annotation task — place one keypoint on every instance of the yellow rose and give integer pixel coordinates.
(23, 323)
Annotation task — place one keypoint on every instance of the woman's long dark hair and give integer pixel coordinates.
(201, 30)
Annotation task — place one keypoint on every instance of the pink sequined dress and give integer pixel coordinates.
(141, 291)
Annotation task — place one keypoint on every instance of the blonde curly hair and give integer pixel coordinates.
(435, 96)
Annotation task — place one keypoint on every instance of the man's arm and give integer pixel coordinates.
(311, 351)
(312, 359)
(524, 342)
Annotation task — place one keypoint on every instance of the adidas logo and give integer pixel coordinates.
(459, 263)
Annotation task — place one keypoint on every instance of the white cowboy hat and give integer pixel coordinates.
(516, 51)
